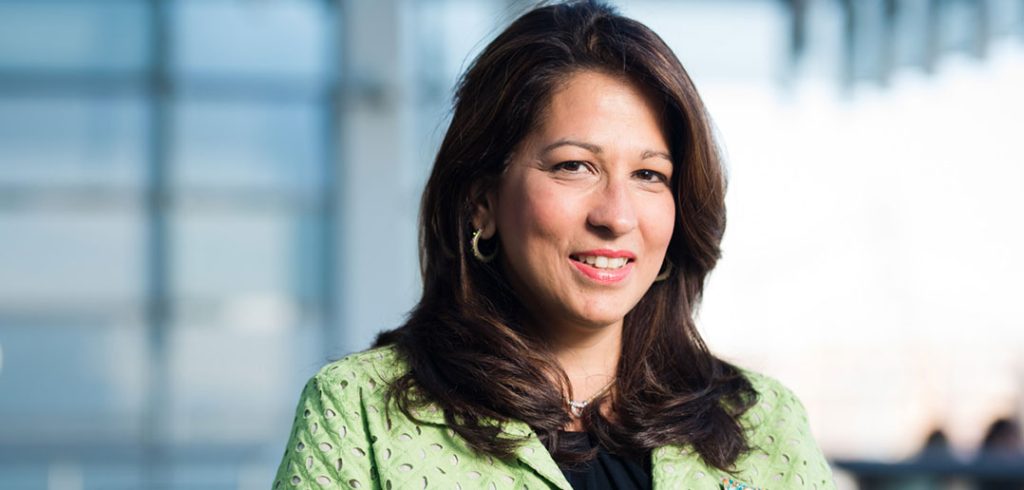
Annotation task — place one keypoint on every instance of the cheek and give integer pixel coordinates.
(660, 222)
(537, 217)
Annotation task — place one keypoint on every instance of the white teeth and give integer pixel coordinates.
(602, 262)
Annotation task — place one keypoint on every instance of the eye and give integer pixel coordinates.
(571, 166)
(651, 176)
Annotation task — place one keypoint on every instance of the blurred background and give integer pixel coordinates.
(203, 201)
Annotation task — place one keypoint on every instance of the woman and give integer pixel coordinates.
(573, 212)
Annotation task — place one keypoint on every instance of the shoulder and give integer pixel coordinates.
(363, 375)
(360, 383)
(353, 387)
(779, 434)
(330, 442)
(775, 403)
(346, 430)
(367, 370)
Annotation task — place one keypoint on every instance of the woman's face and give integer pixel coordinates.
(584, 210)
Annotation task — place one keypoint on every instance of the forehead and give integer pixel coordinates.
(593, 103)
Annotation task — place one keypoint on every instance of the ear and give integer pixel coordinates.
(485, 211)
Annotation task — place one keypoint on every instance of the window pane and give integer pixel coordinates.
(958, 23)
(757, 55)
(52, 259)
(108, 35)
(23, 475)
(240, 144)
(237, 258)
(910, 32)
(236, 384)
(250, 38)
(1006, 16)
(456, 28)
(70, 384)
(72, 141)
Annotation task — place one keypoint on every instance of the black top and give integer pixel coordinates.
(606, 471)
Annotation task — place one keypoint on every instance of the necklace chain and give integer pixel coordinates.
(576, 407)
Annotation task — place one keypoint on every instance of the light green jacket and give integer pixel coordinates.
(343, 438)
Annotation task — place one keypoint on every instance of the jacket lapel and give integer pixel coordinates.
(675, 467)
(533, 454)
(672, 466)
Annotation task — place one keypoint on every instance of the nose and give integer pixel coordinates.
(613, 212)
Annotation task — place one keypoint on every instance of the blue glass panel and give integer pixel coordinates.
(959, 25)
(207, 476)
(691, 28)
(72, 384)
(240, 258)
(241, 312)
(53, 259)
(22, 476)
(109, 476)
(457, 29)
(251, 38)
(61, 471)
(910, 33)
(238, 383)
(1006, 17)
(868, 47)
(108, 35)
(72, 141)
(246, 144)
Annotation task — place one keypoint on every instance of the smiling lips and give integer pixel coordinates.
(604, 266)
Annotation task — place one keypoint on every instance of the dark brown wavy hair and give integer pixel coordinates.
(466, 345)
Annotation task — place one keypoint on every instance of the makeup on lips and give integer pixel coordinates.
(604, 266)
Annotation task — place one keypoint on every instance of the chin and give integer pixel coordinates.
(598, 322)
(608, 312)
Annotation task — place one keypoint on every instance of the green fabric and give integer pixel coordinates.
(343, 438)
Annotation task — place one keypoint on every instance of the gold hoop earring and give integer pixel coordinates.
(665, 271)
(475, 243)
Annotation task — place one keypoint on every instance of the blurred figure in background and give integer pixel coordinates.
(1002, 447)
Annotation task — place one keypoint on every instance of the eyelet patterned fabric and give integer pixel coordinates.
(343, 437)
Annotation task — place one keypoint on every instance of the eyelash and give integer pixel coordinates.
(562, 166)
(657, 175)
(647, 173)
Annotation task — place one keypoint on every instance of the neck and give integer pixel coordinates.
(589, 356)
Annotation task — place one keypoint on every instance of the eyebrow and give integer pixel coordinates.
(597, 149)
(651, 153)
(566, 142)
